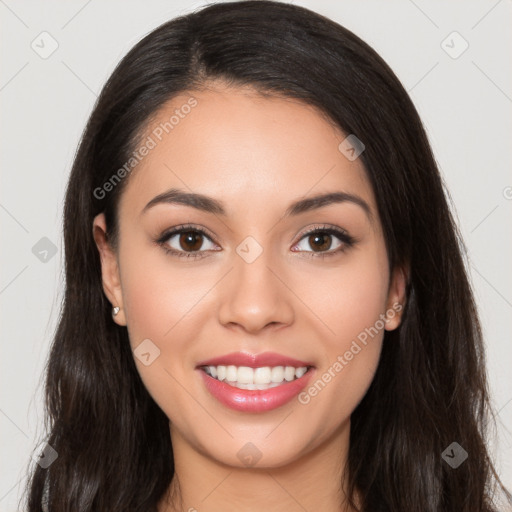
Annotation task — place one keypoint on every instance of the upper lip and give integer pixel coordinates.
(254, 360)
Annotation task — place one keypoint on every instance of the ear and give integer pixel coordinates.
(396, 298)
(109, 268)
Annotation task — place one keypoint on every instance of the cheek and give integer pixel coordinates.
(163, 300)
(347, 299)
(159, 294)
(349, 303)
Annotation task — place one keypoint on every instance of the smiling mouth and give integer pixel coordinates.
(265, 377)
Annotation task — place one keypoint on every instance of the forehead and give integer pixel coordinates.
(244, 148)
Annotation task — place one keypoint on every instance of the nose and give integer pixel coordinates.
(255, 296)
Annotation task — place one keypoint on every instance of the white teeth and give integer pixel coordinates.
(245, 375)
(277, 374)
(299, 372)
(221, 372)
(261, 375)
(264, 377)
(289, 373)
(231, 373)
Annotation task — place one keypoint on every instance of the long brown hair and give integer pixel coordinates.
(430, 389)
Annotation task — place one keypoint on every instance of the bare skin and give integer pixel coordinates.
(256, 155)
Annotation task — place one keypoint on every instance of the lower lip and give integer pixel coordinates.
(258, 400)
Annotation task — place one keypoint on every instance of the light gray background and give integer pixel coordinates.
(465, 104)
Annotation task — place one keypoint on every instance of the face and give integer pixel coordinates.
(251, 274)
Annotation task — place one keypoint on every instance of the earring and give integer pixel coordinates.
(115, 311)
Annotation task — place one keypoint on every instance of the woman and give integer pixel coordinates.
(266, 304)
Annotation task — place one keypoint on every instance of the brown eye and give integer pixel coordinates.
(186, 242)
(320, 241)
(324, 241)
(191, 241)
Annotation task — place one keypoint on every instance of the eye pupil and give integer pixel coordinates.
(193, 238)
(318, 238)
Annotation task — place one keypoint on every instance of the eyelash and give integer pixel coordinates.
(347, 240)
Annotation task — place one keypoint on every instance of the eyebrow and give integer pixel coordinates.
(210, 205)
